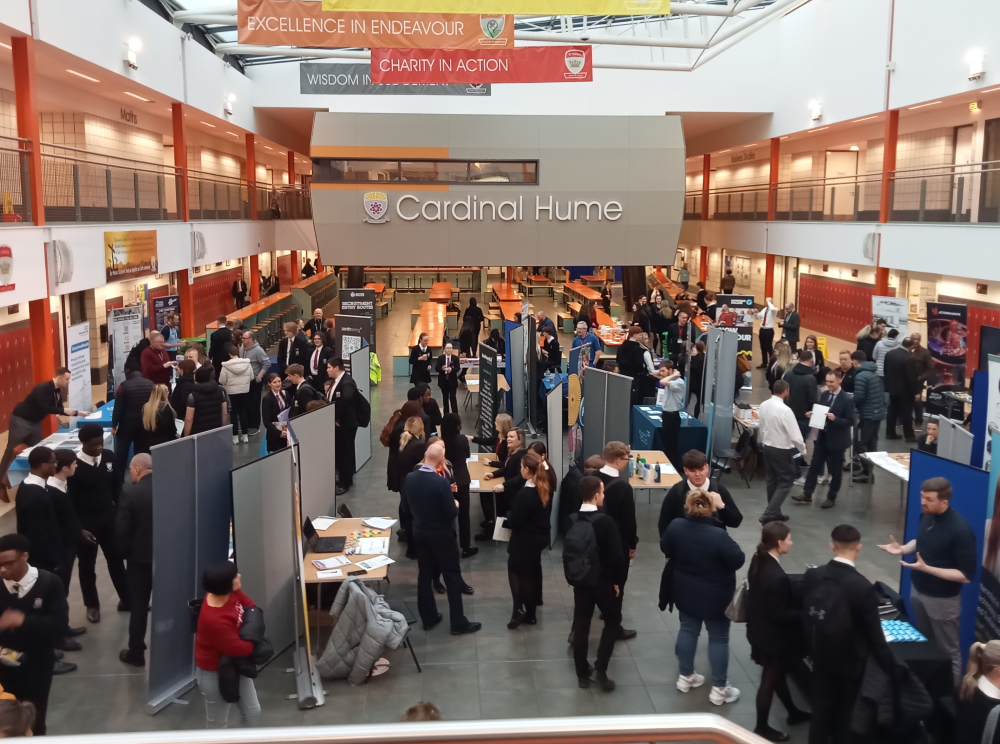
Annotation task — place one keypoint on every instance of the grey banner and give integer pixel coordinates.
(554, 408)
(214, 452)
(354, 79)
(515, 360)
(363, 439)
(315, 432)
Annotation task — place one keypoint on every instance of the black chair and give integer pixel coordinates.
(742, 454)
(400, 606)
(343, 512)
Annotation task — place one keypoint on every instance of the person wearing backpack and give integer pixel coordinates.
(842, 627)
(619, 504)
(352, 411)
(705, 559)
(595, 566)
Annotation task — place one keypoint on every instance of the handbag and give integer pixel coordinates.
(737, 609)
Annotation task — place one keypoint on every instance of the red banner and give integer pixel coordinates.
(539, 64)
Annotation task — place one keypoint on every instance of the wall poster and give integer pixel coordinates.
(129, 254)
(489, 401)
(78, 361)
(947, 332)
(125, 331)
(894, 311)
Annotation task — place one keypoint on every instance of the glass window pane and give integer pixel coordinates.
(371, 170)
(484, 172)
(435, 171)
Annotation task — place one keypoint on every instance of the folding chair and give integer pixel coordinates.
(400, 606)
(741, 454)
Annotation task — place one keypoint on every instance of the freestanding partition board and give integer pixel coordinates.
(363, 440)
(554, 409)
(515, 361)
(606, 398)
(314, 432)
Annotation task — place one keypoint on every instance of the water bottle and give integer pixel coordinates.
(631, 466)
(647, 474)
(656, 478)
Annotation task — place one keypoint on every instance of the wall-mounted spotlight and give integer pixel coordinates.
(227, 103)
(816, 109)
(977, 63)
(132, 47)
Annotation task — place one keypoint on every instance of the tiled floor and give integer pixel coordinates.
(496, 673)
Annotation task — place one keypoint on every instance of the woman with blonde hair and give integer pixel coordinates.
(158, 417)
(528, 521)
(978, 695)
(17, 717)
(780, 363)
(412, 446)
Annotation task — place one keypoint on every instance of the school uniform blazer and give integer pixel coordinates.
(421, 369)
(447, 382)
(300, 353)
(269, 411)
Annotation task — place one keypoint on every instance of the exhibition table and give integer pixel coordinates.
(62, 439)
(667, 478)
(888, 462)
(647, 430)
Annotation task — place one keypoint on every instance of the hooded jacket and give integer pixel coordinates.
(866, 342)
(259, 359)
(882, 348)
(236, 376)
(869, 393)
(802, 392)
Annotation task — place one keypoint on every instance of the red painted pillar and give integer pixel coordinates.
(291, 168)
(39, 311)
(296, 267)
(703, 267)
(772, 179)
(885, 197)
(252, 197)
(769, 276)
(184, 288)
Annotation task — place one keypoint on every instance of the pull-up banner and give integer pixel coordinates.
(524, 7)
(309, 24)
(555, 64)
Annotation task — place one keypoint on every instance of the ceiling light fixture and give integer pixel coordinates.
(820, 129)
(85, 77)
(746, 146)
(867, 118)
(988, 90)
(785, 137)
(233, 134)
(854, 148)
(267, 147)
(6, 46)
(208, 125)
(932, 103)
(136, 95)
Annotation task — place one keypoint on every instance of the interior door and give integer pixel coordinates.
(841, 183)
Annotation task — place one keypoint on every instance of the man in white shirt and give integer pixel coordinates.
(672, 404)
(766, 317)
(780, 437)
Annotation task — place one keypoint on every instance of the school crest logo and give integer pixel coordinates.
(492, 27)
(376, 207)
(6, 269)
(575, 60)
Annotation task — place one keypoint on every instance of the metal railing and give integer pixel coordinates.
(579, 730)
(283, 202)
(15, 193)
(944, 193)
(215, 197)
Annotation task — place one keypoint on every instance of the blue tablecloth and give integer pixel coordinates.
(548, 384)
(647, 431)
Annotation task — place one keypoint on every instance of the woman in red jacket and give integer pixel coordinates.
(219, 624)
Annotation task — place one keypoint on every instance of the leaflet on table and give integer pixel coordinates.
(324, 523)
(379, 523)
(472, 459)
(373, 546)
(326, 563)
(818, 418)
(473, 484)
(333, 573)
(94, 415)
(377, 562)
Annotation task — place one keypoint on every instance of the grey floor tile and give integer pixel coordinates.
(565, 702)
(622, 701)
(554, 675)
(505, 675)
(508, 704)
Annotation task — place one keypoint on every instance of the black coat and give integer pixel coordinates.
(421, 371)
(300, 353)
(302, 396)
(325, 354)
(42, 401)
(447, 382)
(208, 399)
(409, 457)
(433, 506)
(551, 357)
(705, 559)
(673, 505)
(37, 521)
(774, 617)
(179, 398)
(457, 452)
(433, 413)
(802, 392)
(269, 410)
(528, 520)
(971, 719)
(790, 329)
(134, 521)
(837, 433)
(867, 345)
(165, 430)
(619, 504)
(900, 374)
(46, 616)
(345, 398)
(132, 396)
(392, 459)
(239, 290)
(314, 325)
(474, 313)
(218, 347)
(69, 521)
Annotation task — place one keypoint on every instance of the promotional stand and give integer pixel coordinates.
(515, 363)
(314, 434)
(607, 395)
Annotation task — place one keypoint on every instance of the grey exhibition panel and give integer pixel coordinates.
(554, 410)
(263, 535)
(724, 392)
(954, 442)
(515, 358)
(363, 439)
(607, 401)
(214, 460)
(618, 408)
(315, 432)
(637, 162)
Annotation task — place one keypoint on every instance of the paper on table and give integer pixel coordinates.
(818, 418)
(472, 459)
(379, 523)
(500, 532)
(374, 563)
(323, 523)
(474, 484)
(666, 467)
(333, 573)
(373, 545)
(337, 560)
(94, 415)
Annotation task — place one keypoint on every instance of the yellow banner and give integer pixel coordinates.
(129, 254)
(507, 7)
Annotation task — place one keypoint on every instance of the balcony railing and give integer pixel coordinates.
(215, 197)
(946, 193)
(283, 202)
(15, 194)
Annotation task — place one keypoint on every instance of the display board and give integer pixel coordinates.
(162, 306)
(954, 442)
(988, 613)
(489, 401)
(360, 302)
(363, 439)
(263, 534)
(894, 311)
(353, 332)
(80, 395)
(742, 305)
(947, 331)
(314, 433)
(554, 409)
(515, 365)
(722, 350)
(124, 332)
(531, 369)
(606, 398)
(989, 343)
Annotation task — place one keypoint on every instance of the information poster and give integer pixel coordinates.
(947, 333)
(164, 305)
(360, 302)
(988, 612)
(130, 254)
(125, 331)
(992, 409)
(353, 333)
(489, 401)
(894, 311)
(78, 360)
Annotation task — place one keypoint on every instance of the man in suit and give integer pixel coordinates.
(900, 375)
(836, 594)
(239, 293)
(790, 326)
(219, 343)
(834, 439)
(33, 613)
(431, 500)
(70, 532)
(619, 504)
(319, 355)
(300, 391)
(343, 393)
(315, 323)
(292, 349)
(420, 361)
(134, 527)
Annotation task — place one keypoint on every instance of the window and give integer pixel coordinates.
(425, 171)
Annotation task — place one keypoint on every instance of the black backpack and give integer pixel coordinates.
(826, 616)
(363, 409)
(581, 559)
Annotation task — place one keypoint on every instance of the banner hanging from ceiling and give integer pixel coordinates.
(525, 7)
(541, 64)
(308, 24)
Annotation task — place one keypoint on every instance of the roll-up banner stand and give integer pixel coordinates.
(164, 305)
(554, 409)
(81, 395)
(947, 332)
(124, 332)
(363, 438)
(742, 305)
(359, 302)
(314, 434)
(508, 372)
(489, 401)
(895, 311)
(351, 330)
(531, 371)
(515, 365)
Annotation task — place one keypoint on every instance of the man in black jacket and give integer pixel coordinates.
(802, 392)
(94, 489)
(696, 476)
(790, 325)
(70, 533)
(292, 349)
(315, 323)
(606, 594)
(134, 529)
(126, 418)
(239, 293)
(833, 441)
(837, 594)
(33, 613)
(902, 385)
(218, 347)
(36, 516)
(619, 504)
(431, 501)
(301, 392)
(343, 393)
(25, 425)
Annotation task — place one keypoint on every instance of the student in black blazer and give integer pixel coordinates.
(342, 392)
(447, 369)
(301, 392)
(833, 440)
(774, 627)
(528, 521)
(457, 452)
(839, 664)
(510, 471)
(695, 475)
(319, 355)
(619, 504)
(239, 293)
(274, 402)
(292, 349)
(219, 343)
(549, 356)
(420, 361)
(36, 514)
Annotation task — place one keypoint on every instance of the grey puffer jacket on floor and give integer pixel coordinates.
(365, 627)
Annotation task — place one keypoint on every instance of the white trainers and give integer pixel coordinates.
(727, 694)
(236, 439)
(684, 684)
(246, 439)
(824, 480)
(800, 481)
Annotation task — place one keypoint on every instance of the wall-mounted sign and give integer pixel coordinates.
(6, 269)
(80, 392)
(410, 207)
(525, 7)
(306, 24)
(129, 254)
(130, 116)
(355, 80)
(539, 64)
(743, 157)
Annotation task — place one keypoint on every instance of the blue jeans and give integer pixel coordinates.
(718, 646)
